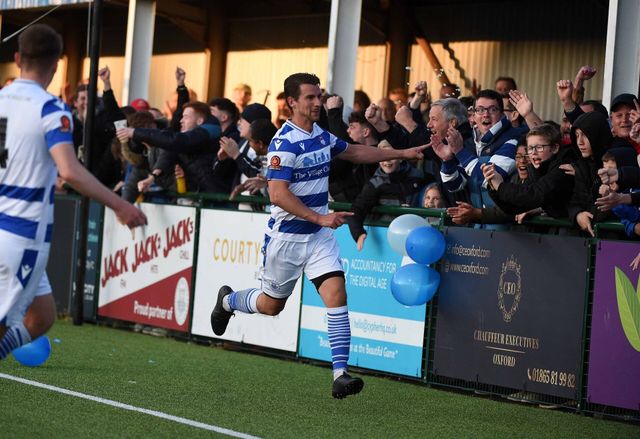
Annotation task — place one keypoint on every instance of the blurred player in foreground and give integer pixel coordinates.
(298, 236)
(36, 144)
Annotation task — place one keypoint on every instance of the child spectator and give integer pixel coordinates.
(394, 183)
(549, 187)
(432, 197)
(592, 136)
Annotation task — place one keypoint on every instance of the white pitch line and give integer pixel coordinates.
(132, 408)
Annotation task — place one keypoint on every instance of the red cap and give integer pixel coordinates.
(140, 104)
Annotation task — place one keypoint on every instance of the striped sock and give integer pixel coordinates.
(244, 300)
(339, 338)
(15, 337)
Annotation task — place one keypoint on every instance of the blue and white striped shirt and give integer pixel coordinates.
(303, 159)
(36, 121)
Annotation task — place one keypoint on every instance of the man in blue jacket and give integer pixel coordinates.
(494, 141)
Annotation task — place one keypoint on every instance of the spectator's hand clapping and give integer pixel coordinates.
(464, 213)
(454, 140)
(443, 151)
(334, 102)
(611, 200)
(494, 179)
(256, 183)
(229, 148)
(237, 191)
(180, 76)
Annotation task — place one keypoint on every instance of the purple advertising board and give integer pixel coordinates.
(614, 359)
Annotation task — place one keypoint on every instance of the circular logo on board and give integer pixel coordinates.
(181, 301)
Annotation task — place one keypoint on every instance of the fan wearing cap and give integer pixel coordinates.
(620, 113)
(140, 104)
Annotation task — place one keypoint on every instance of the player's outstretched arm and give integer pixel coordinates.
(81, 180)
(366, 154)
(281, 196)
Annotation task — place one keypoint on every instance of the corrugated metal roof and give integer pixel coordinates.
(535, 65)
(6, 5)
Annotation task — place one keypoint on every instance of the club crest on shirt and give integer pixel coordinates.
(65, 124)
(274, 163)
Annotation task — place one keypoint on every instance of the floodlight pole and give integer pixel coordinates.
(95, 32)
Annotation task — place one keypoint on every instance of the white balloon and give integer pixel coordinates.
(400, 228)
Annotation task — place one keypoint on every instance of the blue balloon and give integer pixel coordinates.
(425, 245)
(414, 284)
(399, 230)
(34, 353)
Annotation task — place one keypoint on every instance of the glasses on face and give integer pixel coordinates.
(536, 148)
(492, 110)
(522, 157)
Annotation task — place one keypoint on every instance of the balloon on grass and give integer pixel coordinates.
(34, 353)
(400, 228)
(414, 284)
(425, 245)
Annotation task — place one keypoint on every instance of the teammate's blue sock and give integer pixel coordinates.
(243, 301)
(15, 337)
(339, 338)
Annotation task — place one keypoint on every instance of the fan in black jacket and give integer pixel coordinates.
(549, 186)
(590, 133)
(394, 183)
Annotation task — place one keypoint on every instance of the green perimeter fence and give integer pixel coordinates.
(538, 337)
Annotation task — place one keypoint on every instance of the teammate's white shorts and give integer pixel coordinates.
(22, 276)
(285, 261)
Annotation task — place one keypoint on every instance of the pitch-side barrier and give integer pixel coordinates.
(538, 313)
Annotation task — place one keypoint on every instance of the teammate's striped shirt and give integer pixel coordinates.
(303, 159)
(36, 121)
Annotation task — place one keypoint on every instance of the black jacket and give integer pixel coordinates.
(194, 150)
(548, 187)
(585, 192)
(392, 189)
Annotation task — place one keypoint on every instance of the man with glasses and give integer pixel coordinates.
(494, 142)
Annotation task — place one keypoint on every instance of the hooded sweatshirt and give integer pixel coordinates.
(596, 128)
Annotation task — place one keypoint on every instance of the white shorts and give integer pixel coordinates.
(22, 276)
(285, 261)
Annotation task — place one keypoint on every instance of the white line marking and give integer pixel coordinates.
(132, 408)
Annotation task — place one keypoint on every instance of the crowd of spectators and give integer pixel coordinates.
(491, 159)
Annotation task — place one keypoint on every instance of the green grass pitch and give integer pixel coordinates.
(246, 393)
